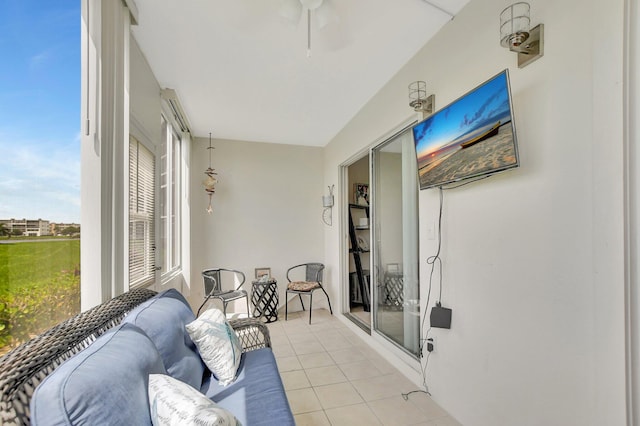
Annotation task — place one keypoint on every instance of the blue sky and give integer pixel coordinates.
(40, 110)
(482, 106)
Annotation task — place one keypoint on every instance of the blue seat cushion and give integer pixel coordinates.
(257, 397)
(100, 386)
(163, 319)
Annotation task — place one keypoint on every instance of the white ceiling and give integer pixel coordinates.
(241, 70)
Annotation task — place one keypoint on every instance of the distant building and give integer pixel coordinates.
(28, 227)
(57, 228)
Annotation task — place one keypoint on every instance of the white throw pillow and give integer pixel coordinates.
(175, 403)
(217, 343)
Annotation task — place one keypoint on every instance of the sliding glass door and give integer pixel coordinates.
(395, 241)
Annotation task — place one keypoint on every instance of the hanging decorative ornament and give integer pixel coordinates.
(210, 181)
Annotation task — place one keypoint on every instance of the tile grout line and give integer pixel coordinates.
(304, 369)
(327, 329)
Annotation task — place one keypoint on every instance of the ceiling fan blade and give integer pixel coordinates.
(311, 4)
(291, 10)
(326, 14)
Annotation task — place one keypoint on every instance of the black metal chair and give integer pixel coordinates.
(214, 288)
(313, 281)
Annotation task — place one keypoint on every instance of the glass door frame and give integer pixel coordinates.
(373, 161)
(344, 238)
(409, 358)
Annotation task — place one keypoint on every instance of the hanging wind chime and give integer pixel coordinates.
(210, 181)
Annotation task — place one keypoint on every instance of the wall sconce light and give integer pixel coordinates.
(419, 100)
(516, 34)
(327, 203)
(210, 181)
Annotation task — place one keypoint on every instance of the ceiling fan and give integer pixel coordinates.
(322, 11)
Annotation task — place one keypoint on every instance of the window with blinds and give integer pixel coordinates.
(141, 215)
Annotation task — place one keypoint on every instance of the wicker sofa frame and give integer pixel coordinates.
(24, 368)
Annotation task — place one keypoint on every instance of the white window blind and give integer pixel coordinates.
(141, 214)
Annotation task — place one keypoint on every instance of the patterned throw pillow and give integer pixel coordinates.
(173, 402)
(217, 343)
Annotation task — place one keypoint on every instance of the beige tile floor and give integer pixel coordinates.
(333, 378)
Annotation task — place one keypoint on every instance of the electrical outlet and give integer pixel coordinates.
(431, 344)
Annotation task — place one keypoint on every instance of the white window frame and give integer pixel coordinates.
(172, 244)
(105, 131)
(105, 97)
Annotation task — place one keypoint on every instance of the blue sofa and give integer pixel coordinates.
(106, 383)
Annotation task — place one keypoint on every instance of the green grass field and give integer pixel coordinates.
(34, 263)
(39, 286)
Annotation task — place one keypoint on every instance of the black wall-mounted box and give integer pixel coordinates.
(440, 317)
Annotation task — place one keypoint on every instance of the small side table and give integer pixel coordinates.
(264, 298)
(394, 289)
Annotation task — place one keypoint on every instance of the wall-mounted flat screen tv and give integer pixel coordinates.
(472, 136)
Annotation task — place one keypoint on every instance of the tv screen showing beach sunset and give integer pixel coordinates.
(470, 137)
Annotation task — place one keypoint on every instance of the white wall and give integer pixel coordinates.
(533, 257)
(267, 211)
(145, 97)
